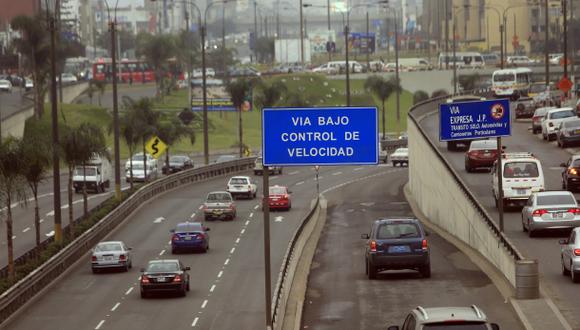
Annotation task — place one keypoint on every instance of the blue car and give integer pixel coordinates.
(189, 236)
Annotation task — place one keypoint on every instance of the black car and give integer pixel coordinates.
(177, 163)
(571, 174)
(568, 132)
(168, 275)
(397, 243)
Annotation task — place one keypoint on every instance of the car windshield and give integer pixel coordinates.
(397, 230)
(562, 114)
(456, 326)
(177, 159)
(520, 170)
(163, 267)
(89, 171)
(277, 190)
(540, 112)
(238, 181)
(108, 247)
(576, 163)
(137, 165)
(504, 77)
(556, 200)
(219, 197)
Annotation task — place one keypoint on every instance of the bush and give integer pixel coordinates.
(439, 92)
(420, 96)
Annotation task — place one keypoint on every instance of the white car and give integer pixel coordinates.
(326, 68)
(552, 119)
(400, 156)
(28, 84)
(242, 186)
(68, 78)
(138, 158)
(519, 61)
(111, 254)
(198, 73)
(5, 86)
(139, 174)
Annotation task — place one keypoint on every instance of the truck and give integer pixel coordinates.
(95, 174)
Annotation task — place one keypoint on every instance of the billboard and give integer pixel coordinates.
(362, 42)
(218, 99)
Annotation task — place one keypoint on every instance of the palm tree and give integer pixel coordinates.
(93, 143)
(37, 160)
(129, 132)
(239, 90)
(172, 131)
(12, 187)
(382, 89)
(73, 154)
(157, 50)
(270, 94)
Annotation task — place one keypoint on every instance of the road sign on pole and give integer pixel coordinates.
(474, 120)
(155, 147)
(320, 136)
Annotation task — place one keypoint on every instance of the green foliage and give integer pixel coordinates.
(265, 49)
(420, 96)
(127, 37)
(439, 92)
(157, 50)
(238, 90)
(469, 82)
(269, 94)
(220, 58)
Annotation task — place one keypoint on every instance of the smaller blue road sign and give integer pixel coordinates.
(474, 120)
(320, 136)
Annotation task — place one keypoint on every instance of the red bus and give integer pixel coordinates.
(136, 70)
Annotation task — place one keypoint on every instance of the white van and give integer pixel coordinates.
(355, 67)
(415, 64)
(463, 60)
(522, 175)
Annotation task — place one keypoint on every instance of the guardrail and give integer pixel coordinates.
(36, 281)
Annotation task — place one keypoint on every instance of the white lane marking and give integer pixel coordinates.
(193, 215)
(247, 222)
(129, 291)
(294, 172)
(49, 234)
(227, 261)
(337, 173)
(195, 322)
(99, 325)
(162, 252)
(278, 219)
(14, 237)
(320, 177)
(26, 229)
(256, 207)
(237, 240)
(28, 200)
(368, 204)
(358, 168)
(41, 221)
(212, 288)
(299, 183)
(159, 220)
(555, 168)
(220, 273)
(243, 231)
(204, 304)
(251, 214)
(115, 307)
(50, 214)
(232, 250)
(200, 207)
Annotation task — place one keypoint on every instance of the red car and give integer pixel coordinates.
(481, 153)
(279, 198)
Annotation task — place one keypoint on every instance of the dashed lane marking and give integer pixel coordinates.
(337, 173)
(212, 288)
(100, 325)
(237, 240)
(129, 291)
(193, 215)
(26, 229)
(162, 252)
(299, 183)
(195, 322)
(49, 234)
(115, 307)
(159, 220)
(251, 214)
(278, 219)
(204, 304)
(256, 207)
(247, 222)
(227, 261)
(293, 172)
(220, 273)
(232, 250)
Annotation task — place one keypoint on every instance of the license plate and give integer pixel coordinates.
(217, 212)
(109, 258)
(399, 249)
(238, 187)
(187, 238)
(558, 215)
(161, 279)
(487, 154)
(521, 191)
(274, 199)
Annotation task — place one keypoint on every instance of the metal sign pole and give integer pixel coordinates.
(500, 184)
(267, 275)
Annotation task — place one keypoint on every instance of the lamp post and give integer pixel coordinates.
(500, 33)
(301, 35)
(455, 46)
(504, 15)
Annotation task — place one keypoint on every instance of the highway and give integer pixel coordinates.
(13, 102)
(545, 248)
(340, 296)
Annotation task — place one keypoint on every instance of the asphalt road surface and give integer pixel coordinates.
(13, 102)
(340, 296)
(545, 248)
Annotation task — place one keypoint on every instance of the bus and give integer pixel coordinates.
(463, 60)
(136, 71)
(511, 83)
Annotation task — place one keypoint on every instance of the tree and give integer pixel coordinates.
(439, 93)
(382, 89)
(92, 141)
(265, 48)
(420, 96)
(468, 82)
(157, 50)
(129, 131)
(127, 38)
(171, 131)
(269, 94)
(294, 99)
(221, 58)
(12, 187)
(239, 90)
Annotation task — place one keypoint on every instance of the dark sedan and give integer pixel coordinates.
(189, 236)
(481, 153)
(167, 275)
(571, 174)
(177, 163)
(568, 132)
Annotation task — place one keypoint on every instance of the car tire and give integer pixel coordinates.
(544, 137)
(394, 164)
(565, 271)
(144, 295)
(468, 168)
(126, 268)
(563, 145)
(187, 286)
(183, 292)
(425, 271)
(574, 276)
(524, 229)
(95, 271)
(531, 231)
(372, 271)
(254, 196)
(280, 171)
(174, 251)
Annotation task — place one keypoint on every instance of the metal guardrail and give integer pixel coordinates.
(288, 257)
(422, 109)
(33, 283)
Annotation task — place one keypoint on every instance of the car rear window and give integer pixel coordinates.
(562, 114)
(163, 267)
(521, 170)
(398, 230)
(456, 326)
(483, 145)
(239, 181)
(556, 200)
(219, 197)
(107, 247)
(277, 190)
(189, 227)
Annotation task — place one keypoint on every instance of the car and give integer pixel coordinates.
(244, 72)
(554, 59)
(571, 173)
(568, 132)
(259, 167)
(242, 186)
(464, 318)
(519, 61)
(28, 84)
(68, 78)
(140, 173)
(177, 163)
(198, 73)
(524, 107)
(325, 68)
(5, 86)
(111, 255)
(392, 67)
(522, 175)
(552, 119)
(404, 136)
(219, 205)
(189, 236)
(225, 158)
(550, 210)
(138, 158)
(400, 156)
(570, 255)
(164, 275)
(397, 243)
(481, 153)
(539, 114)
(376, 66)
(279, 198)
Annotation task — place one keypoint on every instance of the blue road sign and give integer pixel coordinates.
(474, 120)
(320, 136)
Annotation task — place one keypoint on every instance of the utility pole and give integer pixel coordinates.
(368, 43)
(329, 29)
(565, 14)
(347, 64)
(302, 38)
(189, 68)
(573, 74)
(113, 28)
(446, 9)
(547, 35)
(255, 30)
(398, 93)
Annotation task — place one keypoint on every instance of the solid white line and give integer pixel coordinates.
(294, 172)
(251, 214)
(162, 252)
(212, 288)
(299, 183)
(237, 240)
(26, 229)
(227, 261)
(220, 273)
(243, 231)
(256, 207)
(99, 325)
(129, 291)
(200, 207)
(193, 215)
(336, 173)
(195, 321)
(115, 307)
(247, 222)
(204, 304)
(232, 250)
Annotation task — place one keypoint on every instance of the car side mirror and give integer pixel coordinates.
(393, 327)
(142, 270)
(364, 236)
(494, 326)
(563, 165)
(187, 268)
(563, 241)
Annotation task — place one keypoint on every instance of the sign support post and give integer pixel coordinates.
(500, 183)
(267, 271)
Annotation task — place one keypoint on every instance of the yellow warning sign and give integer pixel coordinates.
(155, 147)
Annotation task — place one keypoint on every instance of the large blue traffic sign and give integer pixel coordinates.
(474, 120)
(320, 136)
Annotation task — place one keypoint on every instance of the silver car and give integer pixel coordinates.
(570, 255)
(400, 156)
(465, 318)
(550, 210)
(111, 254)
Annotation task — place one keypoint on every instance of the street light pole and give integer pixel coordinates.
(301, 35)
(446, 9)
(546, 35)
(329, 28)
(565, 14)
